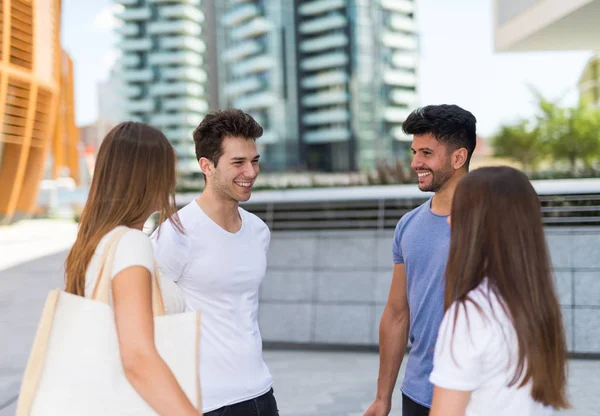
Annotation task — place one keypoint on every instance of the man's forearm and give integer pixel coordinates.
(393, 338)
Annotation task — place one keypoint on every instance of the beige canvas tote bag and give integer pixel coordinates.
(75, 367)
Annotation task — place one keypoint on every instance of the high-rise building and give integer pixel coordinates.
(255, 67)
(36, 104)
(163, 69)
(331, 81)
(543, 25)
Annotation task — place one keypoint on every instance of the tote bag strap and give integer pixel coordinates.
(104, 283)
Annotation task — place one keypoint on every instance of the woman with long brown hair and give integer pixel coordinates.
(501, 347)
(133, 178)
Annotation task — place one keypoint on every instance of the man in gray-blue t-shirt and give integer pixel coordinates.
(444, 138)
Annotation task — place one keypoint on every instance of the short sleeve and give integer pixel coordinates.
(171, 250)
(397, 244)
(133, 249)
(457, 363)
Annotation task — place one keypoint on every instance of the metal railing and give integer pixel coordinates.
(564, 203)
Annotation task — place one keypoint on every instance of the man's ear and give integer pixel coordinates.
(459, 158)
(206, 166)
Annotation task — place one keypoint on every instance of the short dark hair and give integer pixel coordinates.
(449, 124)
(217, 126)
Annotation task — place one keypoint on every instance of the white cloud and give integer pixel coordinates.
(107, 18)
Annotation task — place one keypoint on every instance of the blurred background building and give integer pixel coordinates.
(533, 25)
(36, 105)
(330, 80)
(164, 72)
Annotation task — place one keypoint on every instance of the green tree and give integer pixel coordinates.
(519, 142)
(570, 134)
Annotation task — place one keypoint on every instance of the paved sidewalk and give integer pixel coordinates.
(306, 383)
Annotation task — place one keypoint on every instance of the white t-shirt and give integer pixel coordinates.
(134, 249)
(220, 274)
(481, 357)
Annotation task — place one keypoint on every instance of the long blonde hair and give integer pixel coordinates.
(134, 175)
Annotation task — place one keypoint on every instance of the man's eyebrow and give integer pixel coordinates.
(423, 149)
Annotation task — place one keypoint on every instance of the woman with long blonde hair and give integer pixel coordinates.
(501, 347)
(133, 178)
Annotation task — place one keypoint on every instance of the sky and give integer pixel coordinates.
(457, 62)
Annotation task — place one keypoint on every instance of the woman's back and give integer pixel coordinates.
(481, 357)
(133, 249)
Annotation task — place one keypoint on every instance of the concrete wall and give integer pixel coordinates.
(330, 287)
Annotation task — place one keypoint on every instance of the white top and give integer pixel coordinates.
(481, 357)
(220, 275)
(134, 249)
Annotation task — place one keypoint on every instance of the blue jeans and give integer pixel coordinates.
(264, 405)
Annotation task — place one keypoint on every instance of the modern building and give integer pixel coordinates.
(538, 25)
(257, 73)
(36, 104)
(163, 68)
(589, 82)
(331, 81)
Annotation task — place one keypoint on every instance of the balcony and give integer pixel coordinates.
(402, 6)
(243, 86)
(185, 58)
(256, 64)
(187, 104)
(130, 60)
(337, 40)
(324, 79)
(322, 24)
(182, 42)
(128, 29)
(181, 12)
(137, 75)
(178, 134)
(183, 74)
(404, 60)
(183, 150)
(338, 115)
(339, 134)
(255, 27)
(399, 40)
(395, 114)
(399, 77)
(135, 14)
(242, 50)
(131, 91)
(406, 97)
(403, 23)
(180, 27)
(320, 7)
(135, 45)
(179, 119)
(325, 98)
(256, 101)
(330, 60)
(140, 106)
(176, 88)
(240, 14)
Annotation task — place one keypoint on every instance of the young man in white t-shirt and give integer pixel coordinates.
(219, 264)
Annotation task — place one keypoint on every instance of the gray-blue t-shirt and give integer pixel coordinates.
(422, 242)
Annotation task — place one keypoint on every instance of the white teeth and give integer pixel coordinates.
(423, 174)
(244, 184)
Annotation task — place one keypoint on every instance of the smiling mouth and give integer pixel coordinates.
(423, 174)
(244, 184)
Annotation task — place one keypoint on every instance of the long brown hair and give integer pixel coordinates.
(497, 233)
(134, 175)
